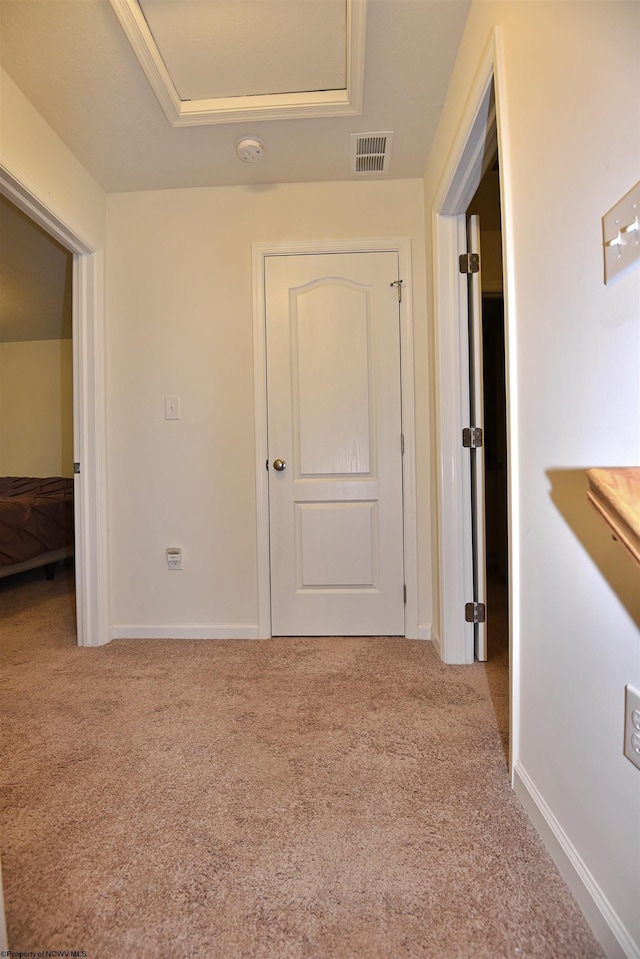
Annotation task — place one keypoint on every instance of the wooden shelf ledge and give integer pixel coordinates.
(615, 493)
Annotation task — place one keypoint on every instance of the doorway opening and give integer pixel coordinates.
(36, 382)
(262, 252)
(89, 436)
(481, 136)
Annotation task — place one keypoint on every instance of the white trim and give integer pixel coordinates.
(320, 103)
(261, 446)
(458, 184)
(88, 399)
(409, 494)
(425, 633)
(401, 246)
(452, 411)
(89, 426)
(185, 632)
(599, 913)
(18, 187)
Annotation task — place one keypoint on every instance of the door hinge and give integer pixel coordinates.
(475, 612)
(398, 283)
(472, 437)
(469, 262)
(404, 594)
(76, 467)
(402, 442)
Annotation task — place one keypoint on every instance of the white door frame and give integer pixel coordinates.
(88, 402)
(402, 246)
(458, 184)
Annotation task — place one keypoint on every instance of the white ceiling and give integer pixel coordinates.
(71, 58)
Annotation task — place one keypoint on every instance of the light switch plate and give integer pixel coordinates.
(621, 234)
(172, 407)
(632, 725)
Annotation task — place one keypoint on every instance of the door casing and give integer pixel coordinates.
(89, 434)
(260, 251)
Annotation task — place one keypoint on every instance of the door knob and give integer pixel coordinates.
(279, 465)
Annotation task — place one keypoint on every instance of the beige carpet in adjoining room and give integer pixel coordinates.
(290, 799)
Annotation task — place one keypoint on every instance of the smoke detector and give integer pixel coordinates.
(370, 152)
(249, 149)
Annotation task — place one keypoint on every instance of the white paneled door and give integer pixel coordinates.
(335, 455)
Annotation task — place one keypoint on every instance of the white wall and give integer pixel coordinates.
(36, 408)
(30, 149)
(571, 145)
(179, 322)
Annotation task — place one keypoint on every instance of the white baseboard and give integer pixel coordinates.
(207, 632)
(185, 632)
(598, 911)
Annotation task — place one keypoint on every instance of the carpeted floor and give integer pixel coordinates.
(290, 799)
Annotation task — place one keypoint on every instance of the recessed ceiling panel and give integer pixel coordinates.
(225, 61)
(231, 48)
(100, 88)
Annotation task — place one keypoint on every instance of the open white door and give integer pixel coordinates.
(476, 403)
(335, 444)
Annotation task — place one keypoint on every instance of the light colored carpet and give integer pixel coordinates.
(289, 799)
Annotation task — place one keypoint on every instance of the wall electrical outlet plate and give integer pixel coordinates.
(632, 725)
(172, 407)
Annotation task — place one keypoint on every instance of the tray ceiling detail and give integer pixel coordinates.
(296, 60)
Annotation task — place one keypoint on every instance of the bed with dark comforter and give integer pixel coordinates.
(36, 522)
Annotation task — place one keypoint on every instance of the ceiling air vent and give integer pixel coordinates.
(370, 152)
